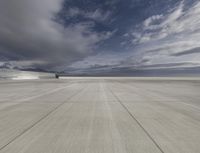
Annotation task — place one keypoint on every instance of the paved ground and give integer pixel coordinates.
(100, 115)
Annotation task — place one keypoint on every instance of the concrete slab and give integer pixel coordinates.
(119, 115)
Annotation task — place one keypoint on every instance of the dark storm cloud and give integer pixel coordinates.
(28, 32)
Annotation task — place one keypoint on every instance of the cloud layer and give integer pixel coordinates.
(29, 33)
(89, 36)
(173, 37)
(162, 41)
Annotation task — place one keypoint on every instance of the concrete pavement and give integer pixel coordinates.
(100, 115)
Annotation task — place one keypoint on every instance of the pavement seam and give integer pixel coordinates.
(134, 118)
(41, 119)
(174, 100)
(24, 99)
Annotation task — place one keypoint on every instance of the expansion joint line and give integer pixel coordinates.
(134, 118)
(41, 119)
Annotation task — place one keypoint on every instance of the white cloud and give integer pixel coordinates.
(152, 19)
(96, 15)
(126, 35)
(164, 35)
(178, 22)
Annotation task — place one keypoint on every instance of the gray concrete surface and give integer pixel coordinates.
(100, 115)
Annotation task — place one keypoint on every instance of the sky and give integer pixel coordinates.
(100, 36)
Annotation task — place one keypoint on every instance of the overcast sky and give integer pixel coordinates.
(100, 36)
